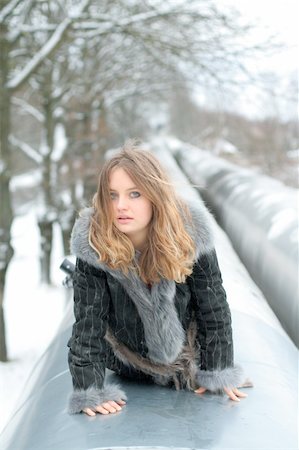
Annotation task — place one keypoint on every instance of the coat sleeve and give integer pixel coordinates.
(87, 346)
(214, 332)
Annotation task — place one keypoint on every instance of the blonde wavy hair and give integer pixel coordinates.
(170, 250)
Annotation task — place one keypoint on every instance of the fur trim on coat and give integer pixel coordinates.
(92, 397)
(216, 380)
(182, 372)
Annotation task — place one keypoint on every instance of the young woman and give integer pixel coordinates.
(148, 297)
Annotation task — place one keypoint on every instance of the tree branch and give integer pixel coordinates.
(28, 108)
(8, 9)
(27, 149)
(46, 50)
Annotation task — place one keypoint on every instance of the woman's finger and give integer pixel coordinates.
(108, 407)
(239, 393)
(89, 412)
(200, 390)
(121, 402)
(101, 410)
(115, 405)
(231, 395)
(105, 408)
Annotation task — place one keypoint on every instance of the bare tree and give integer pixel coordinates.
(14, 15)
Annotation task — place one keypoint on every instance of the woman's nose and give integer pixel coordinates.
(122, 202)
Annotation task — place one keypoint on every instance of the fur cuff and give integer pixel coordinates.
(92, 397)
(215, 380)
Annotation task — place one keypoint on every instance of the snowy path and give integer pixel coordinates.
(32, 311)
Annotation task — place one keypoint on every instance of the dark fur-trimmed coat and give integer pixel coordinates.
(173, 334)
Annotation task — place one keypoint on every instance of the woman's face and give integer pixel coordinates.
(132, 212)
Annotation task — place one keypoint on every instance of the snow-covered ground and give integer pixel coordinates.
(32, 311)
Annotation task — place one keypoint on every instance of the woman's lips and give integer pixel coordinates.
(124, 219)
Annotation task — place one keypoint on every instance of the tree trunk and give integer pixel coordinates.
(68, 210)
(66, 221)
(46, 233)
(6, 216)
(3, 350)
(47, 219)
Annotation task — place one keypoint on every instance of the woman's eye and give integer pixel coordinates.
(112, 195)
(135, 194)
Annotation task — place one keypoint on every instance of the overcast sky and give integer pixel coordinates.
(279, 17)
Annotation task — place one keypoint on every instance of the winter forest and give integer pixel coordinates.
(79, 77)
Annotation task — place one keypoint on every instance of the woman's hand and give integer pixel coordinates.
(233, 393)
(109, 407)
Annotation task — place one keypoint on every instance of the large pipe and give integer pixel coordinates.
(161, 418)
(260, 216)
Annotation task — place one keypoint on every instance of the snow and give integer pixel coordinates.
(282, 222)
(32, 311)
(27, 149)
(26, 180)
(224, 146)
(2, 166)
(7, 10)
(60, 143)
(293, 154)
(27, 108)
(39, 56)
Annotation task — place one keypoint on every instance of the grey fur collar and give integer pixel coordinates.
(163, 331)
